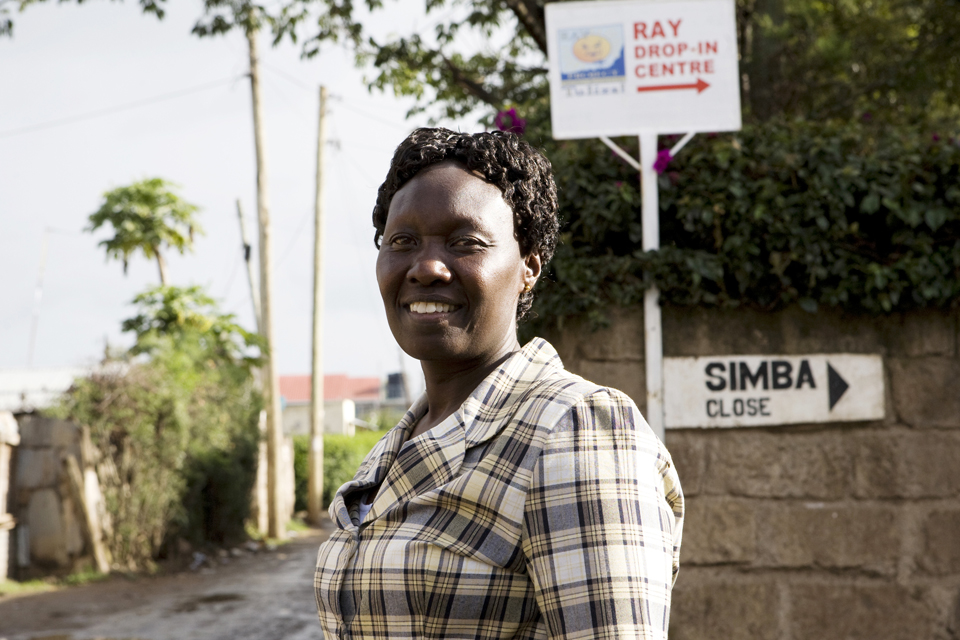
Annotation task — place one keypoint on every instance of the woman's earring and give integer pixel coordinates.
(527, 288)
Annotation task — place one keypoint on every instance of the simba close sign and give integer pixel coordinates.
(757, 391)
(633, 66)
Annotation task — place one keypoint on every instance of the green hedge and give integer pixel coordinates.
(850, 215)
(342, 456)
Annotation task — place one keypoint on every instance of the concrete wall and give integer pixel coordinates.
(338, 418)
(9, 439)
(842, 531)
(41, 501)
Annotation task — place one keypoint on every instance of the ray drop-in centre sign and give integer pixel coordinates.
(627, 67)
(764, 390)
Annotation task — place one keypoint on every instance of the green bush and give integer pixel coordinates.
(342, 456)
(850, 215)
(176, 438)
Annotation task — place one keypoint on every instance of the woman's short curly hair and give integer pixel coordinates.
(522, 173)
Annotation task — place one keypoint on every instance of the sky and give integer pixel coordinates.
(192, 126)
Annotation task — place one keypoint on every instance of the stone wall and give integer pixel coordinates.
(42, 500)
(843, 531)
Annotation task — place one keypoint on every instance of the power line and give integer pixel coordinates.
(124, 107)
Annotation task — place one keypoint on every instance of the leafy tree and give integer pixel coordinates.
(186, 313)
(146, 216)
(176, 429)
(892, 59)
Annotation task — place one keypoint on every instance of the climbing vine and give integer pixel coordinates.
(847, 215)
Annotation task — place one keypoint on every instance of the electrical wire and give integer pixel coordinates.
(124, 107)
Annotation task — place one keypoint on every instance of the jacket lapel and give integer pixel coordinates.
(432, 459)
(424, 463)
(376, 465)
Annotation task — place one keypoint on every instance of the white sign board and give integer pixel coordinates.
(635, 66)
(756, 391)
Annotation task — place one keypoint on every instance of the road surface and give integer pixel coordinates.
(262, 596)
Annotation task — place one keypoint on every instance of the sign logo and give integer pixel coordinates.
(592, 54)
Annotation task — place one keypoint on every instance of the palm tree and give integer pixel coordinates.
(146, 216)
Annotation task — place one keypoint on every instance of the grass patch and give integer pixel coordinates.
(84, 577)
(14, 588)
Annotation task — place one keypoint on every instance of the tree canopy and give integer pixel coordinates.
(891, 60)
(146, 216)
(187, 314)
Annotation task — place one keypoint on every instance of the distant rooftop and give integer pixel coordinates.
(29, 389)
(296, 389)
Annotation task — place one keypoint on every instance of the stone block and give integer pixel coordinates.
(35, 431)
(718, 531)
(829, 536)
(727, 610)
(831, 331)
(626, 376)
(694, 331)
(621, 340)
(876, 465)
(941, 544)
(72, 531)
(36, 468)
(908, 464)
(65, 435)
(781, 464)
(44, 516)
(926, 391)
(924, 332)
(860, 612)
(688, 450)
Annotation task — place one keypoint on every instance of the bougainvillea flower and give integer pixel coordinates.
(510, 121)
(663, 159)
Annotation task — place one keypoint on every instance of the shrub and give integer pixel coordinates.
(342, 456)
(850, 215)
(176, 438)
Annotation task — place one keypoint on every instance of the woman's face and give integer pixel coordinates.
(450, 269)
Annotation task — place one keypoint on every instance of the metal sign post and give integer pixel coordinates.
(652, 326)
(644, 67)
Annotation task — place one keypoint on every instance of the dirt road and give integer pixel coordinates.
(264, 596)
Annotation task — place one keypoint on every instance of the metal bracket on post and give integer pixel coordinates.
(681, 144)
(620, 152)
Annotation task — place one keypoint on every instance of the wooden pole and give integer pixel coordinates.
(247, 250)
(277, 519)
(315, 478)
(37, 298)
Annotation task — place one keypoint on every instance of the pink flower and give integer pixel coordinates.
(663, 159)
(510, 121)
(936, 138)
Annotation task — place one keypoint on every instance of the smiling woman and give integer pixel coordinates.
(514, 499)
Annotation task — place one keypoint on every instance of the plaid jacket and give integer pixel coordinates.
(543, 508)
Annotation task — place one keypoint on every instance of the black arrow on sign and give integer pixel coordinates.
(836, 385)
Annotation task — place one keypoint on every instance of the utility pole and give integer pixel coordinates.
(315, 479)
(247, 250)
(37, 298)
(276, 517)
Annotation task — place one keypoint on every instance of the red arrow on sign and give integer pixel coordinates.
(699, 85)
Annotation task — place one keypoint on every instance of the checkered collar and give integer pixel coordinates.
(406, 468)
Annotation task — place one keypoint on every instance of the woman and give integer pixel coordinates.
(514, 499)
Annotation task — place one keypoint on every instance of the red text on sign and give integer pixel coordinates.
(661, 69)
(655, 30)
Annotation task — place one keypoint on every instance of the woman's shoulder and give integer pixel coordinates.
(564, 392)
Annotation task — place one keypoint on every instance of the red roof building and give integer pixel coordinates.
(297, 389)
